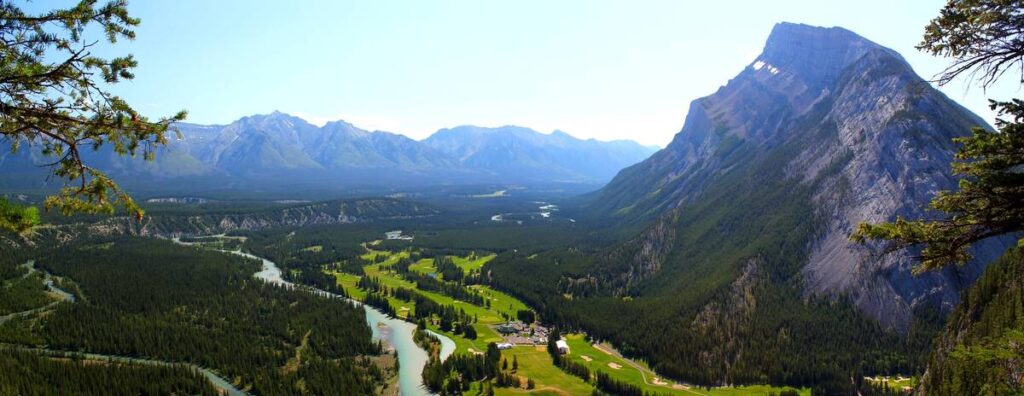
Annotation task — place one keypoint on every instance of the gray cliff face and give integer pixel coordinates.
(891, 154)
(857, 128)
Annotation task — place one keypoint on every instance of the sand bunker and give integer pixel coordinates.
(614, 365)
(585, 357)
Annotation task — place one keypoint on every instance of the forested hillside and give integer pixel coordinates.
(153, 299)
(981, 350)
(27, 373)
(743, 271)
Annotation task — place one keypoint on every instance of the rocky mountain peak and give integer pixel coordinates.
(849, 129)
(816, 55)
(344, 128)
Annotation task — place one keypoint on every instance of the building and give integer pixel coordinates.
(505, 345)
(507, 329)
(563, 347)
(397, 235)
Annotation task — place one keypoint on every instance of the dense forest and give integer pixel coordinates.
(30, 374)
(785, 340)
(153, 299)
(981, 350)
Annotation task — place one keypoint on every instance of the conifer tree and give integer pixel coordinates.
(53, 97)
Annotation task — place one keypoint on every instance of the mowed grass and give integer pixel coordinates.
(388, 257)
(535, 363)
(469, 264)
(583, 352)
(424, 266)
(601, 360)
(753, 390)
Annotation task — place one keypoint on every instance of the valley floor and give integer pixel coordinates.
(534, 361)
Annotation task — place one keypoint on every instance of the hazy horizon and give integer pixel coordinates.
(599, 70)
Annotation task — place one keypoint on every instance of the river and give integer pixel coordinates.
(395, 332)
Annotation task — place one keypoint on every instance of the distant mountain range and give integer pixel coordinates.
(278, 150)
(512, 151)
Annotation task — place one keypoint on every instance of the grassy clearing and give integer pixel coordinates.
(424, 266)
(534, 362)
(469, 263)
(597, 360)
(753, 390)
(603, 359)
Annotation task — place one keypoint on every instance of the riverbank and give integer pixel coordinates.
(395, 332)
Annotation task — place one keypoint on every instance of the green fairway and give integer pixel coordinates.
(604, 359)
(425, 266)
(534, 362)
(472, 263)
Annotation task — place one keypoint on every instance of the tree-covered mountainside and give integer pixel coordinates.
(743, 270)
(824, 130)
(155, 300)
(981, 352)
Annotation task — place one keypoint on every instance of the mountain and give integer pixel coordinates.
(343, 145)
(738, 268)
(525, 154)
(255, 144)
(830, 121)
(281, 152)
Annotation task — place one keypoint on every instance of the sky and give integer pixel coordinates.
(595, 69)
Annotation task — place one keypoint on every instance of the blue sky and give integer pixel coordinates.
(595, 69)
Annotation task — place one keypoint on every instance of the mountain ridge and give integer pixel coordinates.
(281, 151)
